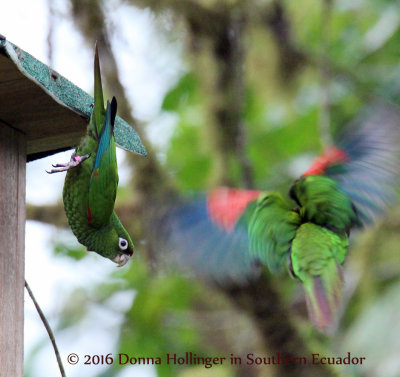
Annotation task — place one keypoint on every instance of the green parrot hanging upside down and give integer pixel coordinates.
(91, 182)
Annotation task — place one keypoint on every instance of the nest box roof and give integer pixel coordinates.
(51, 111)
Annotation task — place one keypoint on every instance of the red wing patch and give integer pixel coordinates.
(331, 156)
(97, 173)
(225, 205)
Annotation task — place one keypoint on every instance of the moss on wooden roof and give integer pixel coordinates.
(48, 108)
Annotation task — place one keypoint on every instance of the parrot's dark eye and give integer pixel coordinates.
(123, 244)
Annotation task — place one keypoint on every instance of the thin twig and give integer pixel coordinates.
(48, 328)
(50, 33)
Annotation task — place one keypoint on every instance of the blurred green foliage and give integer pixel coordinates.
(357, 42)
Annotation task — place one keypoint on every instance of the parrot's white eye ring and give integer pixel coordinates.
(123, 244)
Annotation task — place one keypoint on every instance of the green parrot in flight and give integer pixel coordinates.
(91, 182)
(228, 234)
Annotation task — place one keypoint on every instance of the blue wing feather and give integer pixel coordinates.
(204, 247)
(370, 177)
(106, 133)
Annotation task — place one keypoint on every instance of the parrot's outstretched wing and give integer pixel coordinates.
(272, 229)
(209, 236)
(365, 160)
(104, 178)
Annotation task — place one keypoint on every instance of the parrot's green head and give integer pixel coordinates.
(112, 242)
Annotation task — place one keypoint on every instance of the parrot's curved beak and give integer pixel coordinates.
(121, 259)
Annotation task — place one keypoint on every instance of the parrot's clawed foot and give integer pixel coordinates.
(73, 162)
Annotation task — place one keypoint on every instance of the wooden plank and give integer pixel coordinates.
(12, 244)
(7, 71)
(27, 107)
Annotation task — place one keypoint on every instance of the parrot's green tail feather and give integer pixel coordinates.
(323, 295)
(98, 111)
(317, 255)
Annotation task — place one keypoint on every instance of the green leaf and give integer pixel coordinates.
(181, 94)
